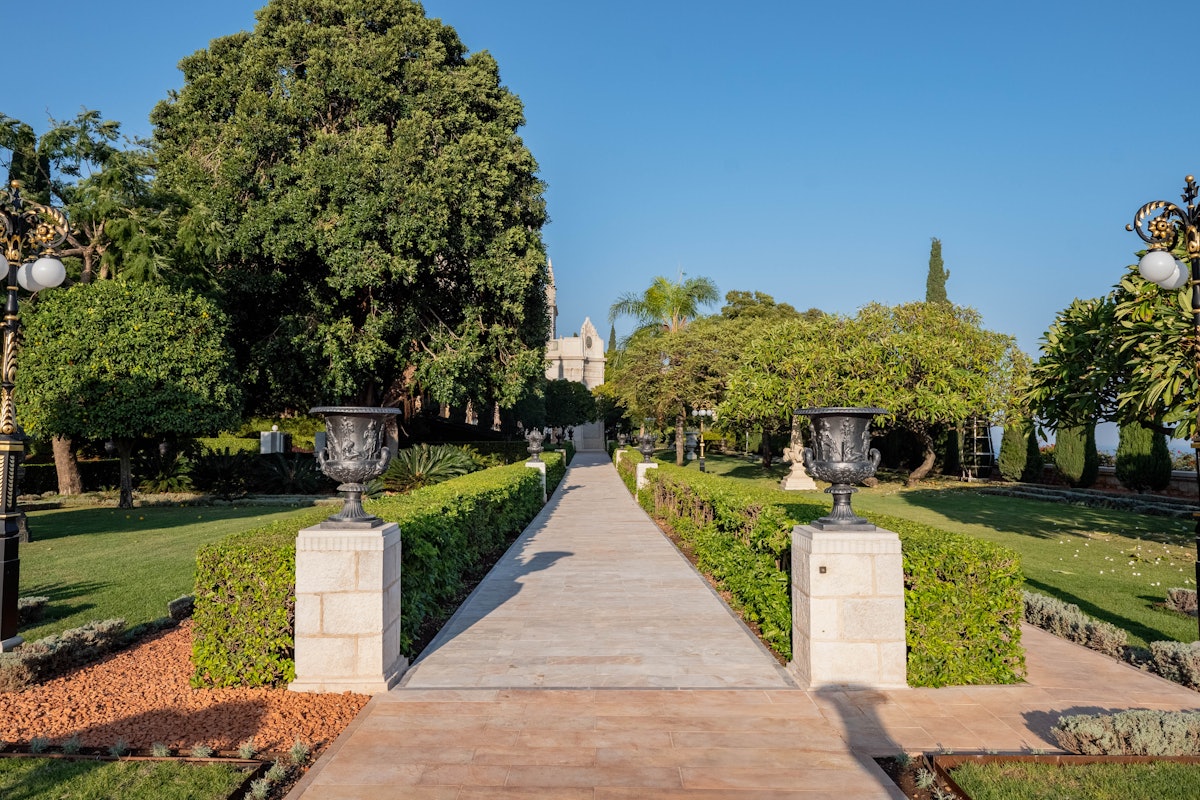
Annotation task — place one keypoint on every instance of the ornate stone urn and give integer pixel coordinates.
(689, 446)
(841, 454)
(646, 447)
(355, 453)
(535, 439)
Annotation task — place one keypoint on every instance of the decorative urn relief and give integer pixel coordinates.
(841, 454)
(355, 453)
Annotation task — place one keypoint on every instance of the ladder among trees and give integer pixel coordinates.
(979, 456)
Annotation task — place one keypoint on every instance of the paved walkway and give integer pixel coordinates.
(593, 662)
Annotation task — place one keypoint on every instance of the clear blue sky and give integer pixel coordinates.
(807, 150)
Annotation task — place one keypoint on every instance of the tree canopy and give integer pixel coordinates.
(928, 364)
(1127, 357)
(377, 217)
(126, 361)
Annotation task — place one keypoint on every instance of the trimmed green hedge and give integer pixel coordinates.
(963, 604)
(96, 475)
(243, 633)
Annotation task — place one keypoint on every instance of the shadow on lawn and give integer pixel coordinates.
(1037, 518)
(61, 523)
(1136, 628)
(59, 593)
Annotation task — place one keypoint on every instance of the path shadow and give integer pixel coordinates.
(499, 586)
(856, 709)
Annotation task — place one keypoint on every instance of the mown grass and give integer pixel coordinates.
(1115, 565)
(54, 779)
(1029, 781)
(99, 563)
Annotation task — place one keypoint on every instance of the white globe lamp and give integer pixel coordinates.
(1157, 265)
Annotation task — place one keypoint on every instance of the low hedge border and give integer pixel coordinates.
(245, 584)
(34, 662)
(963, 595)
(1178, 662)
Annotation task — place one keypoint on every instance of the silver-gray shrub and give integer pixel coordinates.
(1177, 661)
(1069, 622)
(1130, 733)
(1182, 600)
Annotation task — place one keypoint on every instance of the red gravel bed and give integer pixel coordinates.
(141, 695)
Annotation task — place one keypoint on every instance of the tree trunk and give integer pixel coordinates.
(918, 474)
(679, 440)
(125, 451)
(765, 449)
(65, 465)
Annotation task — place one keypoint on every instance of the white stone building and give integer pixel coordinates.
(578, 358)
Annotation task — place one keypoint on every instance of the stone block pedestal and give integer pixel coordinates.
(798, 480)
(641, 473)
(848, 608)
(348, 610)
(540, 466)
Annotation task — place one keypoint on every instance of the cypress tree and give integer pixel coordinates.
(1014, 450)
(935, 281)
(1133, 457)
(1160, 463)
(1035, 462)
(1075, 455)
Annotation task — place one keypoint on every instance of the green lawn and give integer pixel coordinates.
(98, 563)
(1027, 781)
(56, 779)
(1115, 565)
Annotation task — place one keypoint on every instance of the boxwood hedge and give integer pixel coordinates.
(963, 603)
(243, 633)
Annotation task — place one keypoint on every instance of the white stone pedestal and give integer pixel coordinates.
(540, 466)
(848, 608)
(348, 610)
(798, 479)
(641, 473)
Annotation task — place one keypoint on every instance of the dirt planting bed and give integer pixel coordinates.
(142, 696)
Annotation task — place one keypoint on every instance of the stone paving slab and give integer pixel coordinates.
(593, 595)
(513, 699)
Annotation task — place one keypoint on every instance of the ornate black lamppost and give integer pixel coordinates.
(1162, 225)
(701, 412)
(27, 229)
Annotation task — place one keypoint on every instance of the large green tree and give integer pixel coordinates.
(119, 225)
(379, 217)
(126, 361)
(929, 364)
(666, 375)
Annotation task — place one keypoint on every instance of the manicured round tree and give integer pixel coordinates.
(125, 361)
(1014, 450)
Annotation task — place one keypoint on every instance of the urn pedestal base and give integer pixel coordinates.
(848, 609)
(540, 466)
(348, 610)
(641, 474)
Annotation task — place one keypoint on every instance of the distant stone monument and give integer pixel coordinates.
(798, 479)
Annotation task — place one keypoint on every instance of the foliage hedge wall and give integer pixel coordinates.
(243, 633)
(963, 604)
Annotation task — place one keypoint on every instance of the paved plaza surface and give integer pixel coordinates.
(594, 662)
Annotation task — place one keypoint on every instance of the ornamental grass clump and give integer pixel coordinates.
(424, 465)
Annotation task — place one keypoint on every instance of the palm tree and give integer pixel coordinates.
(666, 305)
